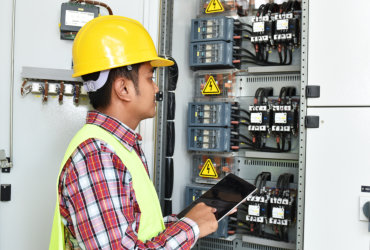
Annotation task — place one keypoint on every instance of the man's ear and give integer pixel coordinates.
(123, 89)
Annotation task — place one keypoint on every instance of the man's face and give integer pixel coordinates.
(145, 100)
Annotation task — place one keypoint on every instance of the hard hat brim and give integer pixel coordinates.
(161, 62)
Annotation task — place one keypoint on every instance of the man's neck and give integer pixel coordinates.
(122, 116)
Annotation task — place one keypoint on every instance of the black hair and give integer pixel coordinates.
(102, 97)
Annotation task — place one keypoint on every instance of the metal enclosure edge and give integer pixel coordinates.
(165, 48)
(302, 134)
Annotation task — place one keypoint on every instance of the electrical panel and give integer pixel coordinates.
(244, 118)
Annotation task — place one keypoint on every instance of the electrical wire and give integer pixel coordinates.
(240, 117)
(95, 3)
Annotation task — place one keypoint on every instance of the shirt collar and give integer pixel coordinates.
(122, 132)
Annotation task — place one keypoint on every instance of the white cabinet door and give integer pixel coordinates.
(339, 52)
(337, 165)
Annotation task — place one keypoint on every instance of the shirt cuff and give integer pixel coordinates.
(170, 219)
(194, 228)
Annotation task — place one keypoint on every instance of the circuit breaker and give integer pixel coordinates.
(193, 192)
(213, 54)
(213, 139)
(217, 114)
(212, 29)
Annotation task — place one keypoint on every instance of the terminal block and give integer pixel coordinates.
(225, 80)
(222, 164)
(212, 139)
(212, 29)
(214, 54)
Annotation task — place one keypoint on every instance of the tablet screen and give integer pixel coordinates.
(228, 193)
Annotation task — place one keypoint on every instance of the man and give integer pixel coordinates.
(105, 197)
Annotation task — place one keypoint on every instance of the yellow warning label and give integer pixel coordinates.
(214, 6)
(208, 170)
(211, 87)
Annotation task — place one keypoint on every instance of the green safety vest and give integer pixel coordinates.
(151, 220)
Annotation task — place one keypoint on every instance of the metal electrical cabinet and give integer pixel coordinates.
(337, 165)
(333, 167)
(251, 164)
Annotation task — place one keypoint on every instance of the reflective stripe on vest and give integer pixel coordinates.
(151, 219)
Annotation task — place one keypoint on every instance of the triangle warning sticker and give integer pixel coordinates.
(208, 170)
(211, 87)
(214, 6)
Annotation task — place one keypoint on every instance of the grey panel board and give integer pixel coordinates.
(274, 69)
(248, 84)
(266, 242)
(49, 74)
(283, 156)
(250, 168)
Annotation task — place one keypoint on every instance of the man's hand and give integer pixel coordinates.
(204, 216)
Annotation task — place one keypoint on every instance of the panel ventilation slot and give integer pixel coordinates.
(279, 78)
(267, 163)
(251, 246)
(214, 244)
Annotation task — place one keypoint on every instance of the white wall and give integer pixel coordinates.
(42, 131)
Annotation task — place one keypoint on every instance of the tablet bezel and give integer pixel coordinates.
(234, 177)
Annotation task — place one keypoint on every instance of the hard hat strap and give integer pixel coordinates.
(92, 86)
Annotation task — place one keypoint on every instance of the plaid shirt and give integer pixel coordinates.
(97, 199)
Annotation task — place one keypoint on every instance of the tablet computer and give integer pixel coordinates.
(226, 195)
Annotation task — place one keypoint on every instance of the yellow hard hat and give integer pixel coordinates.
(108, 42)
